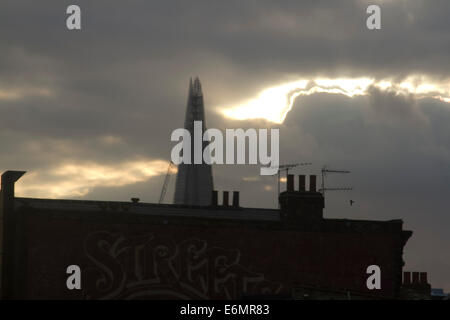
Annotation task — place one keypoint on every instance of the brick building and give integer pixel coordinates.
(133, 250)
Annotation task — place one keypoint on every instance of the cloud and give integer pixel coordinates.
(274, 103)
(71, 180)
(20, 93)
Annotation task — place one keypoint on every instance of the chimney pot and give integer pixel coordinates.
(225, 198)
(312, 183)
(236, 199)
(423, 278)
(290, 182)
(135, 200)
(214, 200)
(415, 277)
(406, 277)
(301, 182)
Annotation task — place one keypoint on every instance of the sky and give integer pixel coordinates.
(88, 113)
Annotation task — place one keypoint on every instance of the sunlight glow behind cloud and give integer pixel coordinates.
(274, 103)
(78, 179)
(20, 93)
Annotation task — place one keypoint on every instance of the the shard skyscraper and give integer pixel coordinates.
(194, 182)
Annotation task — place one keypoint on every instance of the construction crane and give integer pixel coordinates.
(286, 167)
(166, 181)
(326, 171)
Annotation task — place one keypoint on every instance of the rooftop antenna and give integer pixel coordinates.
(326, 171)
(166, 181)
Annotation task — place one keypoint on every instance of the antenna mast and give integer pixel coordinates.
(326, 171)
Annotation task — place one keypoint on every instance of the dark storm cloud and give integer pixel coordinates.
(399, 167)
(114, 92)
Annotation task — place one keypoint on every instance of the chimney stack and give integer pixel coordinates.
(415, 286)
(225, 199)
(290, 182)
(312, 183)
(299, 206)
(10, 276)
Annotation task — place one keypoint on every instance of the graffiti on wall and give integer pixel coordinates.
(152, 266)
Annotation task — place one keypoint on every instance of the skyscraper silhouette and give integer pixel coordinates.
(194, 182)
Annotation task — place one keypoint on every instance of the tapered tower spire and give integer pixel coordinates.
(194, 183)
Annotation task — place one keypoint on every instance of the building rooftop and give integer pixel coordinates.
(151, 209)
(211, 213)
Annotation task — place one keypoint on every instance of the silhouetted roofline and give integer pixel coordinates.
(229, 213)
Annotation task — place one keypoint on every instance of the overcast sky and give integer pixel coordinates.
(89, 113)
